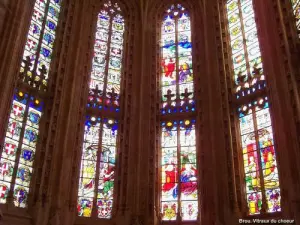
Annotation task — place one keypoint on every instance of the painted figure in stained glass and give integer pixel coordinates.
(105, 83)
(188, 178)
(108, 154)
(178, 143)
(260, 166)
(251, 168)
(107, 183)
(170, 185)
(168, 67)
(184, 72)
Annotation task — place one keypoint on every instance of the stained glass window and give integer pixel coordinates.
(96, 184)
(262, 190)
(296, 10)
(179, 185)
(18, 153)
(176, 62)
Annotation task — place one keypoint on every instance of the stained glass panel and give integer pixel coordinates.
(259, 157)
(100, 140)
(25, 117)
(242, 29)
(23, 126)
(179, 185)
(176, 58)
(179, 178)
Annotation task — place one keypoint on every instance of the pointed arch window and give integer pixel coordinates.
(262, 187)
(296, 10)
(179, 185)
(18, 153)
(96, 183)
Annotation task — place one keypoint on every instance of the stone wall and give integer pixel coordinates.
(3, 10)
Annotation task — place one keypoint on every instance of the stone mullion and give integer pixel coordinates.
(208, 189)
(290, 43)
(287, 26)
(140, 211)
(127, 136)
(66, 140)
(225, 159)
(153, 173)
(131, 144)
(198, 60)
(35, 198)
(54, 192)
(88, 47)
(290, 48)
(156, 104)
(217, 129)
(283, 106)
(226, 93)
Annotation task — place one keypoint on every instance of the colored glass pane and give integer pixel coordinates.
(179, 185)
(296, 10)
(176, 55)
(108, 54)
(93, 149)
(259, 157)
(22, 133)
(243, 35)
(179, 172)
(23, 126)
(96, 186)
(260, 164)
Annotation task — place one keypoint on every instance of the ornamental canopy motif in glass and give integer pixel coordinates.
(176, 62)
(107, 61)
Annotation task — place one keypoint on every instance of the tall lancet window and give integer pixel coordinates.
(179, 185)
(262, 190)
(19, 149)
(296, 10)
(96, 184)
